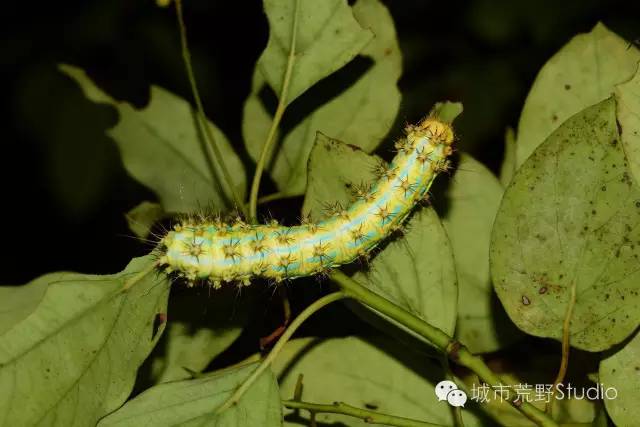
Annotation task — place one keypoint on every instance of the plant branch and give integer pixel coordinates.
(272, 197)
(456, 411)
(304, 315)
(367, 416)
(186, 56)
(277, 117)
(566, 334)
(453, 349)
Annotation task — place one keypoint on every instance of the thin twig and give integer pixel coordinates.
(186, 56)
(277, 117)
(272, 197)
(304, 315)
(566, 334)
(455, 410)
(369, 417)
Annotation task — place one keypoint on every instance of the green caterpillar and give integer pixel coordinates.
(220, 252)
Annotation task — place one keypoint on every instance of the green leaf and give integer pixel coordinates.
(17, 302)
(142, 217)
(363, 114)
(531, 371)
(473, 198)
(192, 403)
(628, 112)
(621, 371)
(584, 72)
(416, 271)
(378, 374)
(333, 168)
(569, 219)
(74, 358)
(446, 111)
(508, 167)
(199, 329)
(162, 147)
(327, 37)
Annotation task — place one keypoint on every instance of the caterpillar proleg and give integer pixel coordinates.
(238, 252)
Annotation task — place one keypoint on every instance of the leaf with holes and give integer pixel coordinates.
(163, 148)
(569, 223)
(74, 358)
(582, 73)
(362, 114)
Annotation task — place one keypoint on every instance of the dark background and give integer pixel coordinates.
(64, 188)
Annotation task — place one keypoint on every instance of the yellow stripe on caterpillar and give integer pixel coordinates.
(201, 249)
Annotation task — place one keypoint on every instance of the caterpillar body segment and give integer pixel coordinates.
(221, 252)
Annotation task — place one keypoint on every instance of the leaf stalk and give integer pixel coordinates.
(452, 348)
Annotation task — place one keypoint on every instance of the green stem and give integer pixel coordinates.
(304, 315)
(186, 56)
(367, 416)
(566, 346)
(453, 349)
(455, 410)
(277, 117)
(272, 197)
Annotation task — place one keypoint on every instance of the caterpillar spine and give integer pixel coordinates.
(238, 252)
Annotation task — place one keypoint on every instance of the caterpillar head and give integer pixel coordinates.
(438, 131)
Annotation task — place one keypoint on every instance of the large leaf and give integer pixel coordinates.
(416, 271)
(569, 221)
(74, 358)
(17, 302)
(192, 403)
(377, 375)
(628, 100)
(362, 114)
(327, 37)
(162, 147)
(473, 198)
(621, 372)
(581, 74)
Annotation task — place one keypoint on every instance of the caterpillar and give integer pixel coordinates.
(212, 250)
